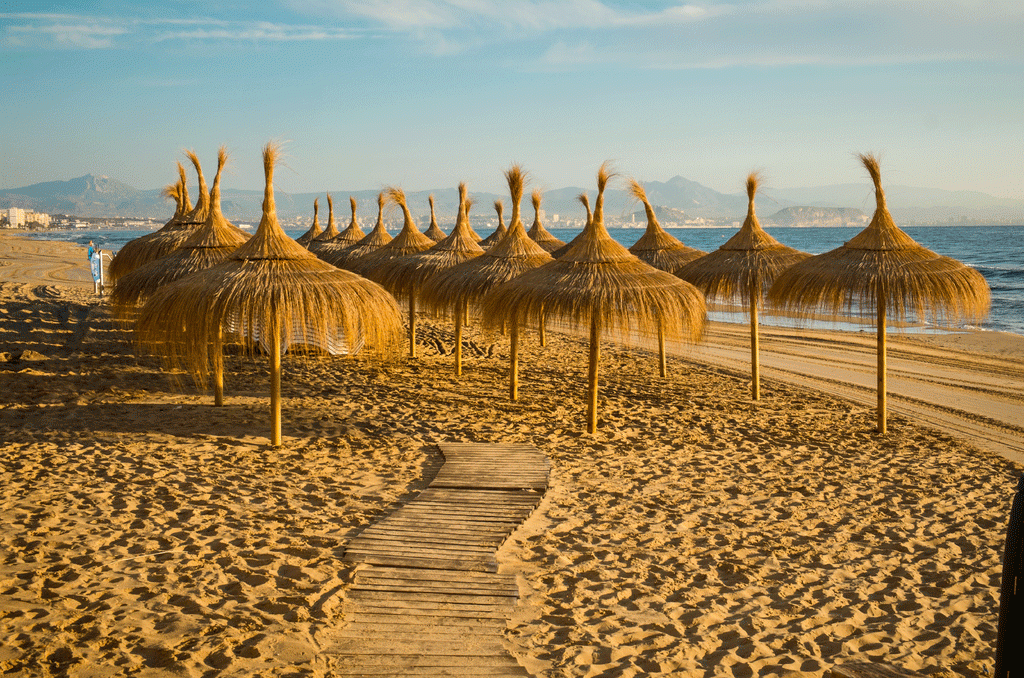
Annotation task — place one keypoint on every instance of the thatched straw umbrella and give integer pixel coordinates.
(159, 243)
(600, 284)
(270, 291)
(207, 246)
(434, 232)
(884, 272)
(657, 247)
(377, 264)
(467, 283)
(406, 276)
(371, 242)
(352, 234)
(537, 232)
(314, 229)
(493, 238)
(585, 201)
(742, 270)
(316, 245)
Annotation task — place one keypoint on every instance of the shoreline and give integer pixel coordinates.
(150, 533)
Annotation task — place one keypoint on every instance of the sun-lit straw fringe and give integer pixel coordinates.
(269, 280)
(371, 242)
(208, 245)
(434, 232)
(407, 274)
(657, 247)
(410, 240)
(314, 229)
(537, 232)
(747, 264)
(582, 197)
(914, 281)
(493, 238)
(599, 278)
(452, 289)
(154, 245)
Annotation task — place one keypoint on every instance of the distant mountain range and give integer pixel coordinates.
(682, 199)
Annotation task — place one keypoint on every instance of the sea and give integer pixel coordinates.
(997, 252)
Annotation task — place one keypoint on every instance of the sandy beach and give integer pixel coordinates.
(148, 533)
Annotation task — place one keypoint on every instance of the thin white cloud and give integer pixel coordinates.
(67, 31)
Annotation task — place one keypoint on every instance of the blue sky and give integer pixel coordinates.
(427, 93)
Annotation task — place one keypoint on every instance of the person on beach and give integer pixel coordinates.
(96, 267)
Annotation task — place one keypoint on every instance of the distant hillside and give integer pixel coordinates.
(818, 216)
(99, 197)
(667, 216)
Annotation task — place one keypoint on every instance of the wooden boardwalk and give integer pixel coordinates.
(429, 600)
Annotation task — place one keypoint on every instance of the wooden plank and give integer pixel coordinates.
(431, 588)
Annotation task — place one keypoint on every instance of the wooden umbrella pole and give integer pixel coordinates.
(458, 343)
(412, 324)
(663, 365)
(218, 369)
(513, 376)
(755, 364)
(542, 328)
(275, 383)
(595, 356)
(881, 360)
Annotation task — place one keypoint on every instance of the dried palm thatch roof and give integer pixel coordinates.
(452, 289)
(371, 242)
(161, 242)
(600, 284)
(582, 197)
(409, 241)
(314, 229)
(537, 232)
(885, 273)
(746, 265)
(882, 259)
(316, 246)
(406, 275)
(743, 269)
(472, 233)
(434, 232)
(353, 233)
(493, 238)
(207, 246)
(657, 247)
(269, 291)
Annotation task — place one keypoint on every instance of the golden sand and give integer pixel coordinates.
(148, 533)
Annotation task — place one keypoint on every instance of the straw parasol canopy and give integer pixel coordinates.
(350, 236)
(537, 232)
(161, 242)
(582, 197)
(377, 264)
(600, 284)
(371, 242)
(656, 246)
(434, 232)
(885, 273)
(314, 230)
(490, 240)
(207, 246)
(457, 287)
(406, 276)
(742, 270)
(330, 233)
(271, 292)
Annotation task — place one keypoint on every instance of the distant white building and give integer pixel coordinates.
(17, 217)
